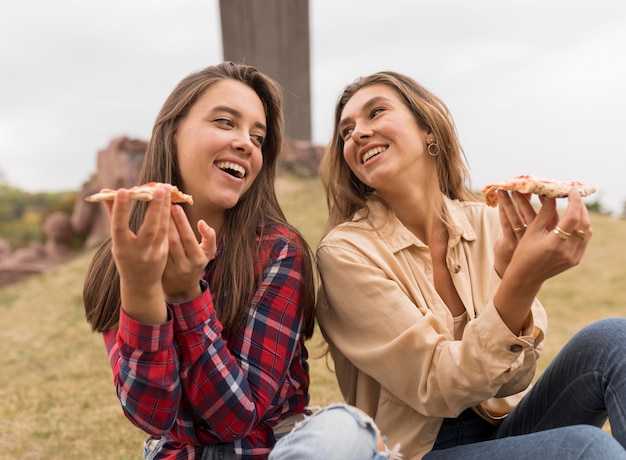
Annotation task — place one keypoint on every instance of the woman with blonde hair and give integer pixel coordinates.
(428, 299)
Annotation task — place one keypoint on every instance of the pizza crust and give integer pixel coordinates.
(143, 192)
(536, 185)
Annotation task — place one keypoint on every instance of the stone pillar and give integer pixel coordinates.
(273, 35)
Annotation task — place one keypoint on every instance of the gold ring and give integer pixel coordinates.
(580, 233)
(561, 233)
(519, 229)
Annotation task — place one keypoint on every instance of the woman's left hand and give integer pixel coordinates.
(515, 214)
(187, 258)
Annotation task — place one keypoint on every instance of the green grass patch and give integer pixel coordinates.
(56, 387)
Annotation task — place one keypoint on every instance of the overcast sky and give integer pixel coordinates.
(535, 86)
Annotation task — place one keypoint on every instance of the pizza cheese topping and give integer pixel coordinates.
(536, 185)
(143, 192)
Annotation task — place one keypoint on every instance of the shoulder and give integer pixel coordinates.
(476, 210)
(359, 242)
(279, 232)
(277, 238)
(348, 233)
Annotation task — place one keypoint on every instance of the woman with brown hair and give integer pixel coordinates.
(205, 308)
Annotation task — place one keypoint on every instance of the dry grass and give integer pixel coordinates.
(57, 399)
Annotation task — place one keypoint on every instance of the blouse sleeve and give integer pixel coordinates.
(368, 316)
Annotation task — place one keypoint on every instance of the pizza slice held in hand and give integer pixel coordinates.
(143, 192)
(537, 185)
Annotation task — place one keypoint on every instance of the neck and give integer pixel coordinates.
(215, 220)
(420, 212)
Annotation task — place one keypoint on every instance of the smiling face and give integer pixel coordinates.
(383, 144)
(219, 146)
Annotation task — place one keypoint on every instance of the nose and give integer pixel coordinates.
(362, 131)
(242, 143)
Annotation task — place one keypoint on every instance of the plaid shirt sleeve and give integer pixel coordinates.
(232, 387)
(145, 369)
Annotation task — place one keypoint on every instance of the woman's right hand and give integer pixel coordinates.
(543, 252)
(141, 257)
(187, 258)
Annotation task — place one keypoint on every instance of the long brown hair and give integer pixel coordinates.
(245, 222)
(346, 194)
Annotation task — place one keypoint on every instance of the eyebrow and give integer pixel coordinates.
(237, 114)
(367, 106)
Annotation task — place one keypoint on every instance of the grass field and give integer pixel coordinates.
(57, 399)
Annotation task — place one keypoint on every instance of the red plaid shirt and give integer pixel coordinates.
(182, 380)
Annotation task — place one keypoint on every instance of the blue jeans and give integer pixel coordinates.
(221, 451)
(336, 432)
(562, 416)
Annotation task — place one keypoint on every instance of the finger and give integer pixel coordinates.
(119, 216)
(584, 217)
(571, 217)
(156, 220)
(176, 249)
(547, 216)
(182, 235)
(208, 243)
(525, 207)
(512, 222)
(576, 219)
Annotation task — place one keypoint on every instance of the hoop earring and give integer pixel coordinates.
(435, 149)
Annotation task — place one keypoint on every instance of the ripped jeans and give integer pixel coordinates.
(335, 432)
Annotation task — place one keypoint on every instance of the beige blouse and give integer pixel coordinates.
(393, 340)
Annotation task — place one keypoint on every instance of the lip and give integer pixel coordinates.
(365, 151)
(233, 161)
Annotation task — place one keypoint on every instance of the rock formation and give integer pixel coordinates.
(118, 166)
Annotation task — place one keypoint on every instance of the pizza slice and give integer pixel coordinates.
(537, 185)
(143, 192)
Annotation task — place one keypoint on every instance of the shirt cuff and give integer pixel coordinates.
(494, 331)
(193, 313)
(145, 337)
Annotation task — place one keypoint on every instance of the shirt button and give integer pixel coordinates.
(516, 348)
(456, 268)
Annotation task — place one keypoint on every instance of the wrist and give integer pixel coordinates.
(145, 305)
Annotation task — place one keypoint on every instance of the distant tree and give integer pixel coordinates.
(21, 213)
(596, 207)
(623, 215)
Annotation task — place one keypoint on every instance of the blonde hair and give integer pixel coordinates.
(346, 194)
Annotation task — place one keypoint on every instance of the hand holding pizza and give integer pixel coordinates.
(514, 220)
(141, 257)
(544, 251)
(542, 246)
(516, 214)
(187, 259)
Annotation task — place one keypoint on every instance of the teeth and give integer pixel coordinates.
(232, 168)
(372, 152)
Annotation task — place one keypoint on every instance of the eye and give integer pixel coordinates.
(258, 139)
(375, 111)
(225, 121)
(345, 133)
